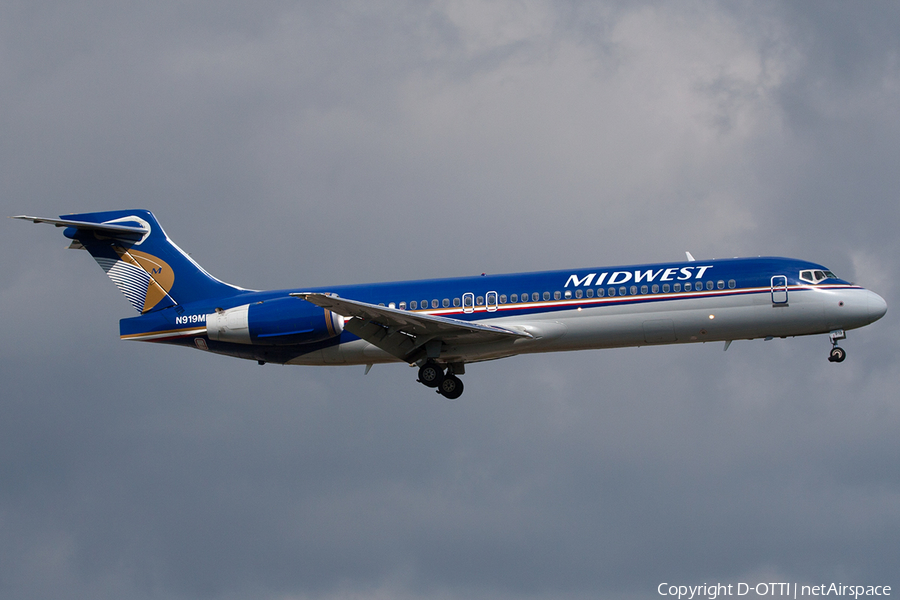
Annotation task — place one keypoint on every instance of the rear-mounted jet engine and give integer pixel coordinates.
(278, 322)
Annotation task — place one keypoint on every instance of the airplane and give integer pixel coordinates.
(440, 325)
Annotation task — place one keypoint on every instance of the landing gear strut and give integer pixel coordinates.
(448, 385)
(837, 353)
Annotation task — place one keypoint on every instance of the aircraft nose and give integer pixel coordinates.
(877, 306)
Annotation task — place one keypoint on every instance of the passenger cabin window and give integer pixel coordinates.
(732, 284)
(468, 302)
(456, 302)
(514, 298)
(446, 302)
(502, 298)
(546, 295)
(666, 288)
(676, 287)
(414, 305)
(687, 287)
(557, 295)
(579, 293)
(403, 306)
(709, 285)
(479, 301)
(434, 303)
(720, 284)
(568, 294)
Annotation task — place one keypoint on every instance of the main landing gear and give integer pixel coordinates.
(448, 385)
(837, 353)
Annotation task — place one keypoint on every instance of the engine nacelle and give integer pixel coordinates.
(278, 322)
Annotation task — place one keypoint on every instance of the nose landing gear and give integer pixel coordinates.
(837, 353)
(448, 385)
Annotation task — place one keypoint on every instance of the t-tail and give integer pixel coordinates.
(146, 266)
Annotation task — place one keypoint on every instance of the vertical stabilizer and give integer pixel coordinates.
(133, 250)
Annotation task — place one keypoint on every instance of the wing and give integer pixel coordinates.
(407, 335)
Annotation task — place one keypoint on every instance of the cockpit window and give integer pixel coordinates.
(815, 275)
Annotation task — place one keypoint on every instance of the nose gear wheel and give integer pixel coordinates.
(837, 354)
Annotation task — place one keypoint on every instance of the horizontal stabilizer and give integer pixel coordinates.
(124, 231)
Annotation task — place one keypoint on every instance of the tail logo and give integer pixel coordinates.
(144, 279)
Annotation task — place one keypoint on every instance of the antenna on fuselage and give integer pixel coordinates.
(690, 256)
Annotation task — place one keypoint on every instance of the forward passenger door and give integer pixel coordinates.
(779, 290)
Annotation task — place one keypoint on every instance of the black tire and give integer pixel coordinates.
(451, 387)
(837, 354)
(431, 375)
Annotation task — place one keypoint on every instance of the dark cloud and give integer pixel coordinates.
(306, 144)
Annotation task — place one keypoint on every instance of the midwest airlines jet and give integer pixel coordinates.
(440, 325)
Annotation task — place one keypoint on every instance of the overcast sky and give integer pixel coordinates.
(292, 144)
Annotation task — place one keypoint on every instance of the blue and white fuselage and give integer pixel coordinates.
(716, 300)
(441, 324)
